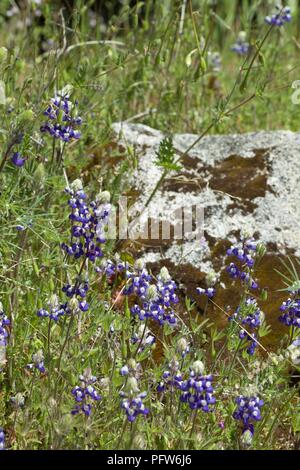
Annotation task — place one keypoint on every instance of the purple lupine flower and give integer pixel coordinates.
(37, 362)
(85, 394)
(249, 315)
(62, 119)
(17, 160)
(281, 16)
(55, 309)
(246, 253)
(171, 378)
(140, 281)
(132, 401)
(293, 351)
(248, 412)
(197, 389)
(79, 290)
(132, 369)
(2, 439)
(157, 299)
(209, 291)
(89, 221)
(132, 398)
(143, 338)
(109, 268)
(214, 61)
(84, 306)
(291, 310)
(241, 47)
(4, 323)
(134, 406)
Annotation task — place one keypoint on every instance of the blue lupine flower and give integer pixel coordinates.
(246, 253)
(248, 412)
(214, 61)
(281, 16)
(109, 268)
(294, 352)
(140, 282)
(85, 394)
(241, 47)
(55, 309)
(209, 291)
(132, 369)
(89, 221)
(171, 378)
(84, 306)
(133, 405)
(143, 338)
(251, 317)
(4, 334)
(291, 310)
(37, 362)
(197, 389)
(77, 290)
(62, 119)
(132, 398)
(2, 439)
(4, 323)
(157, 299)
(17, 160)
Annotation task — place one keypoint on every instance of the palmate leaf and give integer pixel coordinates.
(292, 280)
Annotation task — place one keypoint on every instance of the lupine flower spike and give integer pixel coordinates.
(132, 400)
(281, 16)
(241, 47)
(248, 412)
(62, 119)
(198, 390)
(85, 394)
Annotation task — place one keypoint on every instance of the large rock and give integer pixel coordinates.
(246, 182)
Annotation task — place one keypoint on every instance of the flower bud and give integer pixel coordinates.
(132, 385)
(152, 293)
(132, 364)
(103, 197)
(164, 274)
(247, 438)
(53, 301)
(198, 367)
(74, 304)
(182, 345)
(76, 185)
(242, 36)
(38, 356)
(139, 264)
